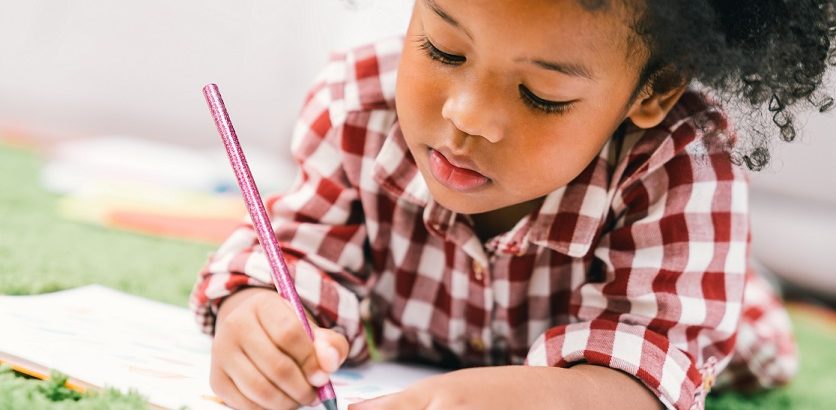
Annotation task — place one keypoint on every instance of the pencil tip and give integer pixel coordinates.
(330, 404)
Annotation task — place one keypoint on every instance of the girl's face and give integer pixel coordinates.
(504, 101)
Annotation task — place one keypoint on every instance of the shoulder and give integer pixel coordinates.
(685, 159)
(363, 78)
(696, 134)
(351, 107)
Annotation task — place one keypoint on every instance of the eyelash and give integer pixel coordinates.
(549, 107)
(435, 54)
(527, 97)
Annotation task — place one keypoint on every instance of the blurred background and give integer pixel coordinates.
(112, 172)
(96, 67)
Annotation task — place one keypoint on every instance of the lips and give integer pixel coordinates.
(455, 177)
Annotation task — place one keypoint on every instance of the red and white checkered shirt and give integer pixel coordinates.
(639, 264)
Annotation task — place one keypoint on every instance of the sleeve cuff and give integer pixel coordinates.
(208, 294)
(332, 305)
(666, 370)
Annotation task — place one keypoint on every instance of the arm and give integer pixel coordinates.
(319, 224)
(673, 267)
(522, 387)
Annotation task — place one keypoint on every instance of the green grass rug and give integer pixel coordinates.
(21, 393)
(41, 252)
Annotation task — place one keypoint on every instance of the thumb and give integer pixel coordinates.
(331, 349)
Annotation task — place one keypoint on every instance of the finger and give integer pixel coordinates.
(287, 333)
(255, 386)
(279, 321)
(225, 388)
(331, 349)
(278, 368)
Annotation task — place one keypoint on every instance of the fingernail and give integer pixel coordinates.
(319, 378)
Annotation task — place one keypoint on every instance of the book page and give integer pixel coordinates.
(109, 338)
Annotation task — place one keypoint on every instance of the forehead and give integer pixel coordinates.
(596, 31)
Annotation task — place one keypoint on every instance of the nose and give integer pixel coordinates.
(474, 110)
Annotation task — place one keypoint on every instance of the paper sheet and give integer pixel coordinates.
(109, 338)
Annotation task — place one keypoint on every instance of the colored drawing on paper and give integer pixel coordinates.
(172, 361)
(160, 374)
(348, 374)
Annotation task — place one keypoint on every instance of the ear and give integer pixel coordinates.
(650, 108)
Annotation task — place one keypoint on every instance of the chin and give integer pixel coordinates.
(462, 203)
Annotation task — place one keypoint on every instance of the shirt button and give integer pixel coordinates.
(477, 344)
(478, 270)
(366, 309)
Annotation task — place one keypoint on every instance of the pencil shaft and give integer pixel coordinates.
(261, 222)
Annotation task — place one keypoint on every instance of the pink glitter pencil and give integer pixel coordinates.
(266, 236)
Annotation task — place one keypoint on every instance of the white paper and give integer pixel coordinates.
(109, 338)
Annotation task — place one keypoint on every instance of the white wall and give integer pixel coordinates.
(94, 67)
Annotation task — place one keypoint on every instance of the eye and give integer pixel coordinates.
(434, 53)
(546, 106)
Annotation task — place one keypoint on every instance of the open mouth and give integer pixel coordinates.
(455, 177)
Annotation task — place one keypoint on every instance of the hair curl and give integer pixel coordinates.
(764, 59)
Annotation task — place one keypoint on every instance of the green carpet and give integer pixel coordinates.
(40, 252)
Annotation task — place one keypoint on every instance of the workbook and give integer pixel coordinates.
(102, 337)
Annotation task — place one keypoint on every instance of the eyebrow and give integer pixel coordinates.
(573, 69)
(446, 17)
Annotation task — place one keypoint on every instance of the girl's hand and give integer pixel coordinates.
(521, 387)
(262, 358)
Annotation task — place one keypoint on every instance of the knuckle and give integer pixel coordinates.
(284, 370)
(308, 361)
(309, 396)
(288, 333)
(287, 377)
(262, 391)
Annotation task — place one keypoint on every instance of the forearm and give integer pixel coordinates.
(586, 387)
(606, 388)
(522, 387)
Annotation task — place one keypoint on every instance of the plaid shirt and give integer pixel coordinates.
(638, 264)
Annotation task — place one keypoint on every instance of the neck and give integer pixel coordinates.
(492, 223)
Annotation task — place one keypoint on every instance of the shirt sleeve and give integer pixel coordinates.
(671, 276)
(318, 223)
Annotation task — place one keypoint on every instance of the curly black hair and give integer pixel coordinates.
(766, 60)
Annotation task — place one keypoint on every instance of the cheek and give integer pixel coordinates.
(419, 94)
(536, 169)
(550, 157)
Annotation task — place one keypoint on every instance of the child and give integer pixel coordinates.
(543, 188)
